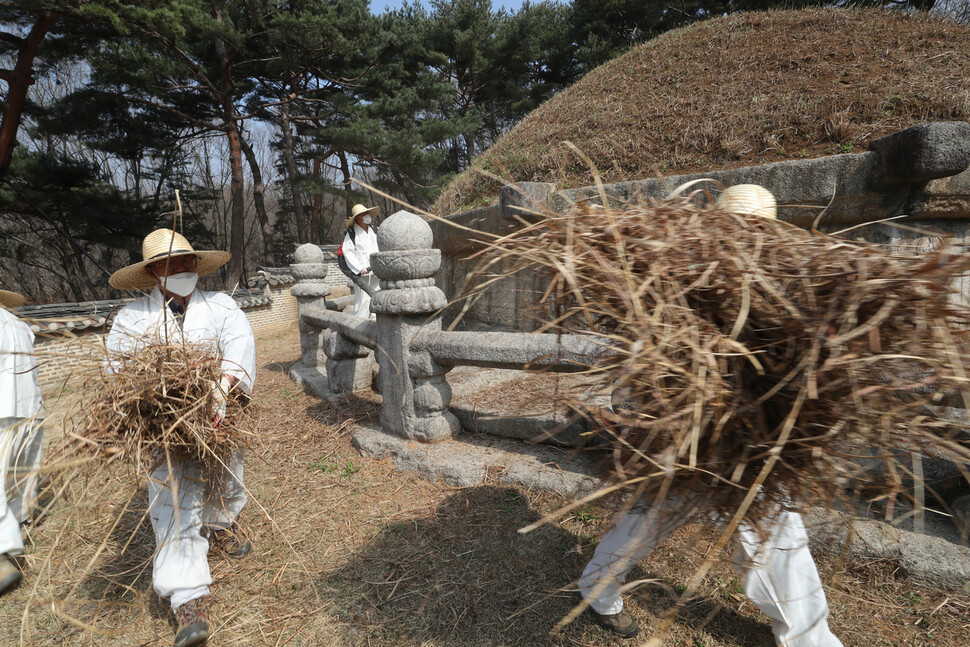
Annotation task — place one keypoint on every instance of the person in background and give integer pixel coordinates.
(359, 243)
(776, 568)
(21, 435)
(187, 516)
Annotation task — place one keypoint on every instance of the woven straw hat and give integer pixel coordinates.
(156, 246)
(358, 210)
(748, 199)
(10, 299)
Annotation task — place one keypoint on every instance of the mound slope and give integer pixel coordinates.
(746, 89)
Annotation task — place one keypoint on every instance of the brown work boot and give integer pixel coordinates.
(10, 575)
(622, 624)
(231, 541)
(193, 623)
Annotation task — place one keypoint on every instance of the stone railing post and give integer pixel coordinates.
(310, 271)
(330, 364)
(415, 391)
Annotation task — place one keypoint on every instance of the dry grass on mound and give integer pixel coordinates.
(745, 89)
(754, 357)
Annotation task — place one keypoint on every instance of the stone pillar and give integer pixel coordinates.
(330, 364)
(415, 392)
(311, 291)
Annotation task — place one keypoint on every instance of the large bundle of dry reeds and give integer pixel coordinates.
(753, 356)
(154, 405)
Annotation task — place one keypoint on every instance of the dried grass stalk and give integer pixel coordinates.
(746, 346)
(156, 407)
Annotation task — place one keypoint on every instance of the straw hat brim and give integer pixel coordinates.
(350, 221)
(10, 299)
(749, 199)
(135, 277)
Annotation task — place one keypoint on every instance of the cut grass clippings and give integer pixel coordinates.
(753, 361)
(155, 405)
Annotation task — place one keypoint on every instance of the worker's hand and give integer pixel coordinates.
(220, 395)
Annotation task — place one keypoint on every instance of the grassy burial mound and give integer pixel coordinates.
(755, 358)
(747, 89)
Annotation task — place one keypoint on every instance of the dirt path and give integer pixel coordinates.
(349, 552)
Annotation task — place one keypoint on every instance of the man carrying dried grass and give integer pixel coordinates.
(21, 436)
(773, 560)
(188, 509)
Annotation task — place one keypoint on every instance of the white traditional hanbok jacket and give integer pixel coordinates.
(211, 319)
(357, 251)
(357, 254)
(19, 393)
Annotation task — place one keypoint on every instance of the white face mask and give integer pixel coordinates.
(181, 284)
(366, 220)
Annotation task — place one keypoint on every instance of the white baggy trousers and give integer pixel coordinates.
(362, 299)
(778, 572)
(180, 504)
(20, 449)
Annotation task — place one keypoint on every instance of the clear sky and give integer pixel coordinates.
(378, 6)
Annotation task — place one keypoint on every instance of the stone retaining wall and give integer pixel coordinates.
(919, 177)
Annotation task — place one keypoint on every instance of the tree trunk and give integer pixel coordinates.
(469, 148)
(345, 170)
(83, 272)
(18, 82)
(289, 155)
(70, 271)
(317, 204)
(269, 250)
(237, 220)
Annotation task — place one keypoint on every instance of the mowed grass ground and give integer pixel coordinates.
(350, 552)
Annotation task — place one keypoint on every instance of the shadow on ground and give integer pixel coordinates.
(462, 576)
(278, 367)
(123, 573)
(465, 576)
(704, 614)
(361, 407)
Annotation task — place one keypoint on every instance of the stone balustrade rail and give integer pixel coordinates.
(413, 353)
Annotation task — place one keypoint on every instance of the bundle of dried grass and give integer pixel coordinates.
(754, 359)
(155, 406)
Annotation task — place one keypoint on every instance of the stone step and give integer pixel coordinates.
(469, 460)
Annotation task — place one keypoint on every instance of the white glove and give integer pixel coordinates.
(220, 393)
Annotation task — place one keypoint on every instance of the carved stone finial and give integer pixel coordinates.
(309, 253)
(404, 230)
(924, 152)
(406, 266)
(310, 272)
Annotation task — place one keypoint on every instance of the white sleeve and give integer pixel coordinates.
(19, 393)
(122, 338)
(352, 256)
(237, 345)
